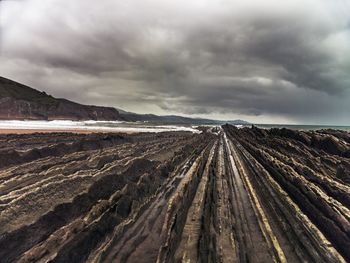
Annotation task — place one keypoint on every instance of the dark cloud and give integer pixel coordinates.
(261, 60)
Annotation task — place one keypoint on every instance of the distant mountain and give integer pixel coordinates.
(174, 119)
(238, 122)
(19, 102)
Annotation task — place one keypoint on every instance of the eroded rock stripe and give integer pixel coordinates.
(233, 195)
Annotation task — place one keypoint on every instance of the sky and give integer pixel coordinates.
(264, 61)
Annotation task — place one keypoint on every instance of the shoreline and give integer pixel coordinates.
(78, 130)
(31, 131)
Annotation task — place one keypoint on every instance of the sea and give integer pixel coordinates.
(91, 125)
(302, 127)
(131, 127)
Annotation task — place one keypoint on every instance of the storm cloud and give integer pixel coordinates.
(264, 61)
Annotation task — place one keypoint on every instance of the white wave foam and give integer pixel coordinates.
(112, 126)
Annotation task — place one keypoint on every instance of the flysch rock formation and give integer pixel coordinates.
(225, 195)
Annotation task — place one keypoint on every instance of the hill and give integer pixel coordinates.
(175, 119)
(18, 102)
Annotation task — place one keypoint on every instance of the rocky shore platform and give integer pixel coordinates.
(223, 195)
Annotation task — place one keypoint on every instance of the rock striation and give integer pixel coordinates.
(225, 195)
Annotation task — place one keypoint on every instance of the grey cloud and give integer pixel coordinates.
(257, 58)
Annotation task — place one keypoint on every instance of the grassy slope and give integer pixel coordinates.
(12, 89)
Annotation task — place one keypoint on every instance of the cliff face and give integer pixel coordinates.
(19, 102)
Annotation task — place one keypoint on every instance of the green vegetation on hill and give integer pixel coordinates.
(18, 101)
(12, 89)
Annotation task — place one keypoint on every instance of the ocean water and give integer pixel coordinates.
(302, 127)
(120, 126)
(110, 126)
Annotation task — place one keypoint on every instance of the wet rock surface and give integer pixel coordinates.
(233, 195)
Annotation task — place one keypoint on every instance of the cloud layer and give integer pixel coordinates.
(266, 61)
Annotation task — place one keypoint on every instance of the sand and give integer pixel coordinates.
(29, 131)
